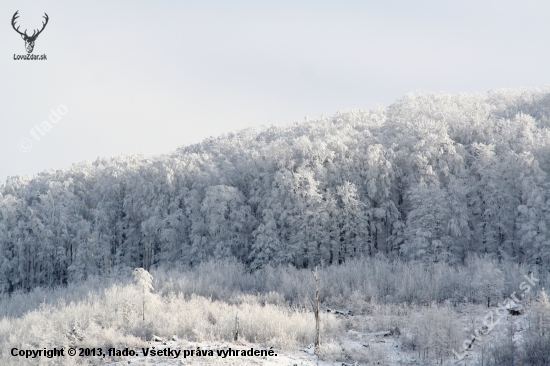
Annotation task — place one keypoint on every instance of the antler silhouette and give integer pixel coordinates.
(29, 40)
(43, 26)
(15, 16)
(34, 33)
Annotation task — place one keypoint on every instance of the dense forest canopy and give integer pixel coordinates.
(434, 177)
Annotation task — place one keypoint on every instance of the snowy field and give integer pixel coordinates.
(357, 347)
(188, 311)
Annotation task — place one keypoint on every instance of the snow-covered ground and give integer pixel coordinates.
(358, 347)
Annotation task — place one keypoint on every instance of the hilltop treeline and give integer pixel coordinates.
(433, 177)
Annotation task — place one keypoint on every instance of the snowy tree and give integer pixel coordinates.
(427, 231)
(488, 281)
(353, 222)
(144, 281)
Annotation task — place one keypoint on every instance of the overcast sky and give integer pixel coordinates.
(150, 76)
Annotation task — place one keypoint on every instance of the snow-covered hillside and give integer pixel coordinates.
(434, 177)
(419, 218)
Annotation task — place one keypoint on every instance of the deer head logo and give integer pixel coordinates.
(29, 40)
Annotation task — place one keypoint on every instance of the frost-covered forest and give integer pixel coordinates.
(432, 177)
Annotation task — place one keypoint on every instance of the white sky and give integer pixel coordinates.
(150, 76)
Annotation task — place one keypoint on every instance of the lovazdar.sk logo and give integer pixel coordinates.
(29, 40)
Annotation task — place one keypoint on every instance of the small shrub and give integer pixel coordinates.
(434, 333)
